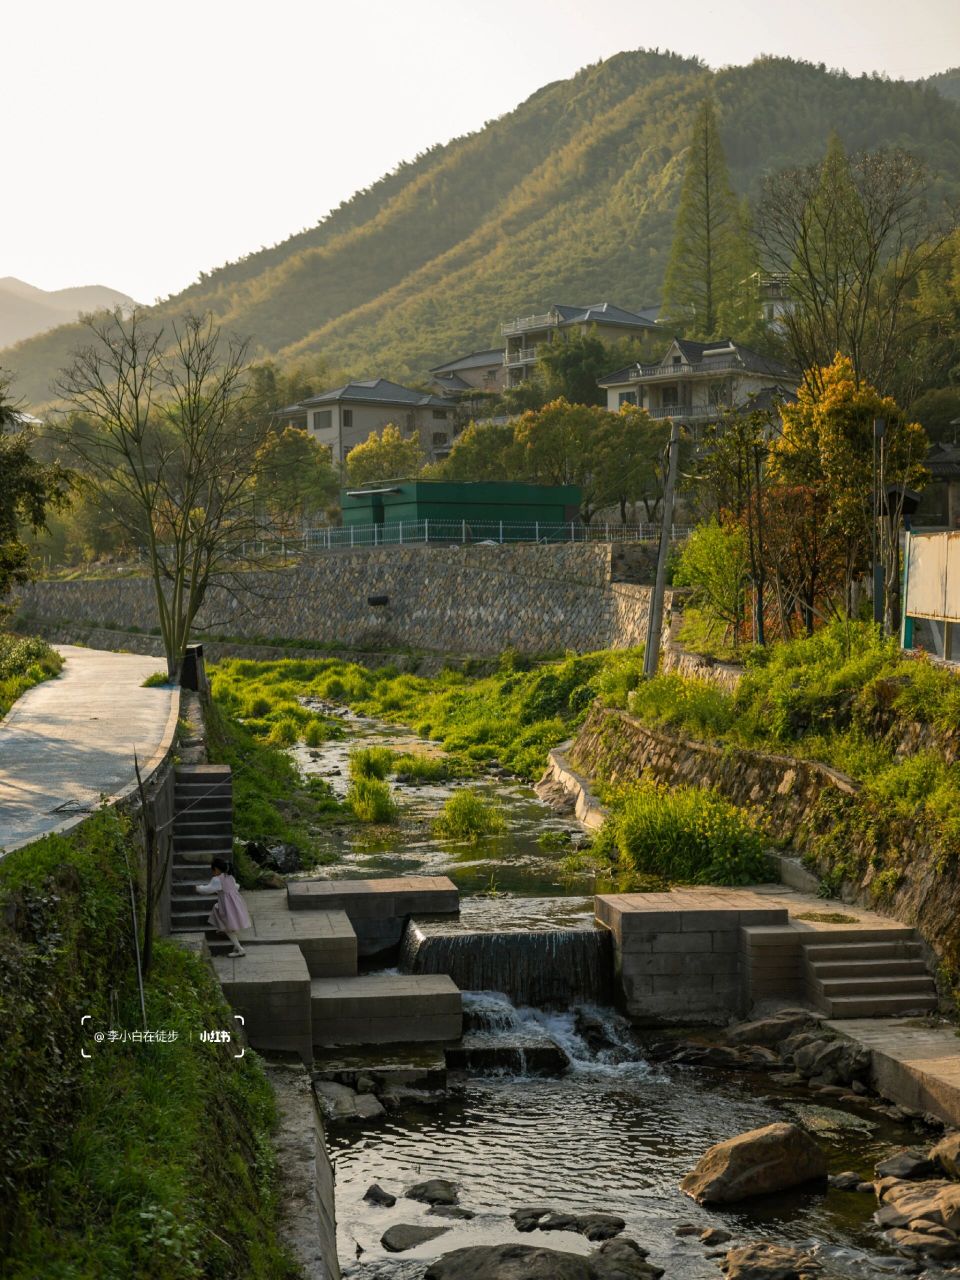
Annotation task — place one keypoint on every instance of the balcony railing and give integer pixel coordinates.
(526, 355)
(684, 370)
(523, 323)
(687, 412)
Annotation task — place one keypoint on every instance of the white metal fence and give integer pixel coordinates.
(405, 533)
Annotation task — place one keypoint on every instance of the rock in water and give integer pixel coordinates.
(947, 1154)
(615, 1260)
(433, 1191)
(406, 1235)
(375, 1194)
(906, 1164)
(760, 1260)
(755, 1163)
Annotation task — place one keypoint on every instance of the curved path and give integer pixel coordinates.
(71, 740)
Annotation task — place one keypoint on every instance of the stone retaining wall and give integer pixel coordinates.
(447, 599)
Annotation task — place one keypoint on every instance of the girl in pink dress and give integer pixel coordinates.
(229, 913)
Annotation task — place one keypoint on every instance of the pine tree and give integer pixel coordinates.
(710, 258)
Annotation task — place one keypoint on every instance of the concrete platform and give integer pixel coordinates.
(385, 1009)
(326, 938)
(270, 987)
(915, 1064)
(377, 909)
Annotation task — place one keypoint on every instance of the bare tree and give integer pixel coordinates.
(853, 235)
(171, 447)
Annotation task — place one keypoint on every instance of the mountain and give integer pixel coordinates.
(26, 310)
(571, 197)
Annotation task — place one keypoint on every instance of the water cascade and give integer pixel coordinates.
(547, 968)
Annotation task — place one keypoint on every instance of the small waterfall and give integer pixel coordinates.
(546, 968)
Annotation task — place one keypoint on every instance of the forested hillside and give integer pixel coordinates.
(571, 197)
(946, 83)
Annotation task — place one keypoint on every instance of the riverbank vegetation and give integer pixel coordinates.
(513, 716)
(24, 662)
(272, 802)
(677, 835)
(845, 696)
(149, 1158)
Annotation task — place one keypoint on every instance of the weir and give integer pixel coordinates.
(546, 968)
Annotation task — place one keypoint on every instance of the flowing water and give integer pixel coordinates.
(613, 1133)
(599, 1128)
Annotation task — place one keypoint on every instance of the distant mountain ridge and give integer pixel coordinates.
(571, 197)
(26, 310)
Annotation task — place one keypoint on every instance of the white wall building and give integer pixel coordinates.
(345, 417)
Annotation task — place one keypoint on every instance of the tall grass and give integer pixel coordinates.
(370, 762)
(371, 800)
(468, 815)
(25, 661)
(686, 835)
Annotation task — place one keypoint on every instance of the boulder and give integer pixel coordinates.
(340, 1102)
(433, 1191)
(847, 1181)
(375, 1194)
(761, 1260)
(947, 1154)
(773, 1158)
(922, 1243)
(832, 1061)
(595, 1226)
(407, 1235)
(714, 1235)
(772, 1031)
(285, 858)
(905, 1204)
(599, 1226)
(451, 1211)
(906, 1164)
(615, 1260)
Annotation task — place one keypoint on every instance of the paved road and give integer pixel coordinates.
(69, 741)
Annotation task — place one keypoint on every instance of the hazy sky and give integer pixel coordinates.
(145, 141)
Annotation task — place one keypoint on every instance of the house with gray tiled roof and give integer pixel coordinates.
(476, 371)
(695, 381)
(528, 335)
(347, 415)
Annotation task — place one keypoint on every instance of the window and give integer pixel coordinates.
(627, 397)
(718, 393)
(678, 359)
(411, 421)
(322, 419)
(439, 438)
(669, 396)
(347, 415)
(440, 413)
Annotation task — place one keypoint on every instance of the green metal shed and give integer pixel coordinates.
(476, 509)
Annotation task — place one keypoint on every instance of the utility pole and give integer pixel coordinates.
(878, 574)
(651, 655)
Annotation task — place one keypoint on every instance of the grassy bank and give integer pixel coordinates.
(147, 1159)
(24, 662)
(271, 801)
(514, 716)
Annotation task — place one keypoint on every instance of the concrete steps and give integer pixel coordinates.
(385, 1009)
(202, 829)
(869, 978)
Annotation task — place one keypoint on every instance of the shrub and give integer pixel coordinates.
(284, 733)
(24, 662)
(468, 815)
(417, 767)
(315, 733)
(371, 800)
(686, 835)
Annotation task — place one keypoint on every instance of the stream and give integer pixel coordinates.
(614, 1132)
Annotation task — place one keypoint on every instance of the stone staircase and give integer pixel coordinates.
(202, 828)
(874, 974)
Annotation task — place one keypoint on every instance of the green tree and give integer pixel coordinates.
(715, 563)
(29, 490)
(571, 368)
(710, 258)
(387, 456)
(295, 479)
(483, 451)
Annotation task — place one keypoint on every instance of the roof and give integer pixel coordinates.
(601, 313)
(375, 391)
(452, 381)
(473, 360)
(768, 399)
(943, 461)
(700, 353)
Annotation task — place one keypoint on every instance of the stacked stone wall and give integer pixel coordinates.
(450, 599)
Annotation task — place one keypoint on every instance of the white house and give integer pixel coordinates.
(695, 381)
(527, 336)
